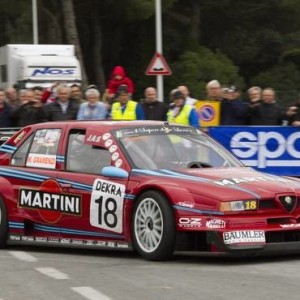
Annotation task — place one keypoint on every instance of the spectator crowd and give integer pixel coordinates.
(23, 107)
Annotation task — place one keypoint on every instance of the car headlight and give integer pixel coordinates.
(241, 205)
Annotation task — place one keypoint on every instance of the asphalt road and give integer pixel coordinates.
(41, 273)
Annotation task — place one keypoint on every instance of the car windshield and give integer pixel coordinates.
(169, 149)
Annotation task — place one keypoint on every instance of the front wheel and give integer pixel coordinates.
(153, 226)
(3, 224)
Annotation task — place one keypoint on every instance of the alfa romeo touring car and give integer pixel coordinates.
(152, 187)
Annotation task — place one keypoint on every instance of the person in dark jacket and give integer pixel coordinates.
(153, 108)
(268, 112)
(63, 108)
(233, 109)
(31, 111)
(5, 111)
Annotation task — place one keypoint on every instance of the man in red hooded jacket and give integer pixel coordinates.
(119, 78)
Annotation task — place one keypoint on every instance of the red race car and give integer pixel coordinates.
(149, 186)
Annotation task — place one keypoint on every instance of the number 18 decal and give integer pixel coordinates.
(106, 208)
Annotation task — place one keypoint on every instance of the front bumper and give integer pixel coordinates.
(286, 242)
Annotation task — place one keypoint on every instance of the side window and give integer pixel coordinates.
(19, 158)
(39, 150)
(85, 158)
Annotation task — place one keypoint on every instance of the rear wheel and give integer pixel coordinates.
(3, 224)
(153, 226)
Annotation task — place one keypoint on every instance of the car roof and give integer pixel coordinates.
(110, 124)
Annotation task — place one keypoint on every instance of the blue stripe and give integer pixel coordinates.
(16, 225)
(41, 178)
(8, 147)
(6, 151)
(74, 231)
(199, 211)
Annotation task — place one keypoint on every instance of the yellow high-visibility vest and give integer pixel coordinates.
(128, 114)
(182, 117)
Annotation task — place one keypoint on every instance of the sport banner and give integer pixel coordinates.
(274, 149)
(208, 112)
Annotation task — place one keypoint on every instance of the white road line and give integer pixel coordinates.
(90, 293)
(21, 255)
(51, 272)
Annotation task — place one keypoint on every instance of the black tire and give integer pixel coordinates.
(3, 224)
(153, 227)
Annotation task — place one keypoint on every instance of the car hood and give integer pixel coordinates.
(225, 183)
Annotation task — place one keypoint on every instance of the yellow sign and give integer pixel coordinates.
(208, 112)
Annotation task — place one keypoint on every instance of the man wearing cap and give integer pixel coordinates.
(233, 109)
(180, 112)
(124, 108)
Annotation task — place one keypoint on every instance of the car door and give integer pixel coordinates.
(102, 198)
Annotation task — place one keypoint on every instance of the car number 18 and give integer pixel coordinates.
(106, 207)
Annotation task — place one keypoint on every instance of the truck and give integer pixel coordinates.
(29, 65)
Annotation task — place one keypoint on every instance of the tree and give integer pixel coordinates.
(72, 34)
(195, 69)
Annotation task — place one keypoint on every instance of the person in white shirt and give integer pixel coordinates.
(92, 109)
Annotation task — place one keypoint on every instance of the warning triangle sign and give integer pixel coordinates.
(158, 66)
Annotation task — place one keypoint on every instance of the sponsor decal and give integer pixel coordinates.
(122, 245)
(93, 138)
(106, 206)
(186, 222)
(108, 143)
(77, 242)
(215, 223)
(155, 130)
(41, 161)
(115, 156)
(53, 240)
(106, 136)
(67, 241)
(27, 238)
(50, 201)
(111, 244)
(13, 237)
(40, 239)
(236, 180)
(186, 204)
(244, 237)
(101, 243)
(112, 148)
(118, 163)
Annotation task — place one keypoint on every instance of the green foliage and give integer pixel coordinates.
(284, 78)
(16, 20)
(195, 69)
(242, 42)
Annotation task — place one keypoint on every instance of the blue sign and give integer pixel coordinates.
(274, 149)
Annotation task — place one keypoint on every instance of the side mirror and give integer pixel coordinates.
(114, 172)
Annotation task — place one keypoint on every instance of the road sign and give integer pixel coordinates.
(158, 66)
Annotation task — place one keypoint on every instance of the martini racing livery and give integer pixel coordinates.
(152, 187)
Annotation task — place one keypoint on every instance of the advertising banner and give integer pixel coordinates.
(274, 149)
